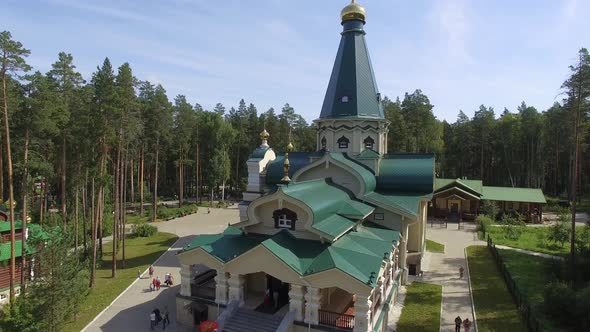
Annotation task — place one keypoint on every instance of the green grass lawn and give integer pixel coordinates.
(140, 253)
(494, 307)
(532, 238)
(434, 246)
(421, 310)
(531, 274)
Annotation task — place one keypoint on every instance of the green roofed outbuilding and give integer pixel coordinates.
(462, 198)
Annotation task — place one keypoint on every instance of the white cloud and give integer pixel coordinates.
(451, 20)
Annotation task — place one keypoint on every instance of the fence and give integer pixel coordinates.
(335, 319)
(531, 321)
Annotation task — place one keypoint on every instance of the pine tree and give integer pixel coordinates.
(12, 54)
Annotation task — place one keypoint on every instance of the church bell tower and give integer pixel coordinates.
(352, 118)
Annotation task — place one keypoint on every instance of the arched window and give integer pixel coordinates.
(285, 218)
(369, 143)
(343, 142)
(323, 143)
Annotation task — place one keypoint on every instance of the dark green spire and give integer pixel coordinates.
(352, 91)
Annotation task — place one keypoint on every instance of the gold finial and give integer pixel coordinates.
(264, 135)
(353, 12)
(286, 163)
(286, 178)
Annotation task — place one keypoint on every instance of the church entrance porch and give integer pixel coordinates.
(265, 293)
(338, 309)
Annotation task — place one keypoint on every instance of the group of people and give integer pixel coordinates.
(156, 317)
(466, 324)
(155, 283)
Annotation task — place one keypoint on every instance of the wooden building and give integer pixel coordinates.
(461, 199)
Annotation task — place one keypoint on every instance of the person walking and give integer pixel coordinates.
(166, 320)
(466, 325)
(458, 322)
(138, 274)
(158, 316)
(461, 270)
(151, 270)
(152, 320)
(158, 283)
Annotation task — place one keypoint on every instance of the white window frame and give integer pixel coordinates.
(284, 221)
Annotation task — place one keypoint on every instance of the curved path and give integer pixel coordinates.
(130, 311)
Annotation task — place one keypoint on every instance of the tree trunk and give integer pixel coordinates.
(10, 188)
(94, 233)
(124, 205)
(23, 279)
(197, 174)
(85, 210)
(140, 181)
(1, 170)
(180, 180)
(155, 208)
(132, 190)
(117, 173)
(77, 204)
(63, 181)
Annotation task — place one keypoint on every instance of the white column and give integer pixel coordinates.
(236, 287)
(403, 254)
(313, 298)
(362, 314)
(185, 280)
(221, 287)
(296, 301)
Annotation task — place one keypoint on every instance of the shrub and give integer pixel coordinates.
(559, 232)
(483, 223)
(144, 230)
(490, 209)
(558, 301)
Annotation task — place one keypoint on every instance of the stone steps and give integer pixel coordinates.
(245, 320)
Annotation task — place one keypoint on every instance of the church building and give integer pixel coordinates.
(325, 238)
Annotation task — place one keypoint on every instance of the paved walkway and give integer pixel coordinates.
(443, 269)
(130, 311)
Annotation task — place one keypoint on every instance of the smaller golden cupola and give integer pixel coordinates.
(264, 135)
(353, 12)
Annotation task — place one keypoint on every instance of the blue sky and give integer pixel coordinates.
(269, 52)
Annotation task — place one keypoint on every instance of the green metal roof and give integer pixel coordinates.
(407, 172)
(475, 186)
(404, 201)
(366, 174)
(358, 253)
(227, 245)
(334, 225)
(297, 160)
(352, 77)
(509, 194)
(368, 154)
(5, 250)
(5, 225)
(259, 153)
(329, 203)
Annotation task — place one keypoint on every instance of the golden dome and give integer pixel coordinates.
(353, 12)
(264, 135)
(289, 147)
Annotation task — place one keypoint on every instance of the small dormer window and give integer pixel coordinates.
(323, 143)
(285, 218)
(343, 142)
(369, 143)
(344, 99)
